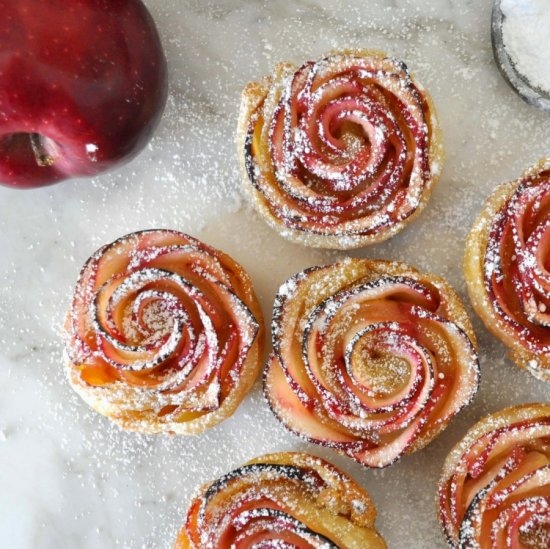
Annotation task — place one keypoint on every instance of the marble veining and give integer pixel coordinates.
(68, 478)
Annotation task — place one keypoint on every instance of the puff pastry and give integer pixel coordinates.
(341, 152)
(507, 269)
(164, 334)
(494, 492)
(286, 500)
(371, 358)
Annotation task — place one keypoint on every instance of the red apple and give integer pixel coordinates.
(82, 86)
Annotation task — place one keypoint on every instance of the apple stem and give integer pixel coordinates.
(43, 158)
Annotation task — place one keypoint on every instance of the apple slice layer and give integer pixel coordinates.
(286, 500)
(495, 488)
(371, 358)
(507, 269)
(340, 152)
(165, 333)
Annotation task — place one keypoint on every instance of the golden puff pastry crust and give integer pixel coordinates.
(507, 269)
(164, 333)
(341, 152)
(370, 358)
(494, 491)
(287, 499)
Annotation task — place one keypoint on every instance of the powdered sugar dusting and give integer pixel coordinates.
(525, 37)
(74, 478)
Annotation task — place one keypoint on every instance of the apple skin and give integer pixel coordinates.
(83, 84)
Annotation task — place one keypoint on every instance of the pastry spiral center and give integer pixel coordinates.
(151, 323)
(373, 362)
(536, 533)
(152, 316)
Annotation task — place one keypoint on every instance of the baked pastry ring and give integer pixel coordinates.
(494, 492)
(371, 358)
(164, 333)
(282, 500)
(508, 271)
(341, 152)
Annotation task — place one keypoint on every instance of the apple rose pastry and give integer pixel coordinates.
(495, 489)
(286, 500)
(341, 152)
(507, 268)
(164, 334)
(371, 358)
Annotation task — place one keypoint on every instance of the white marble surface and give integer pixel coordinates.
(69, 479)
